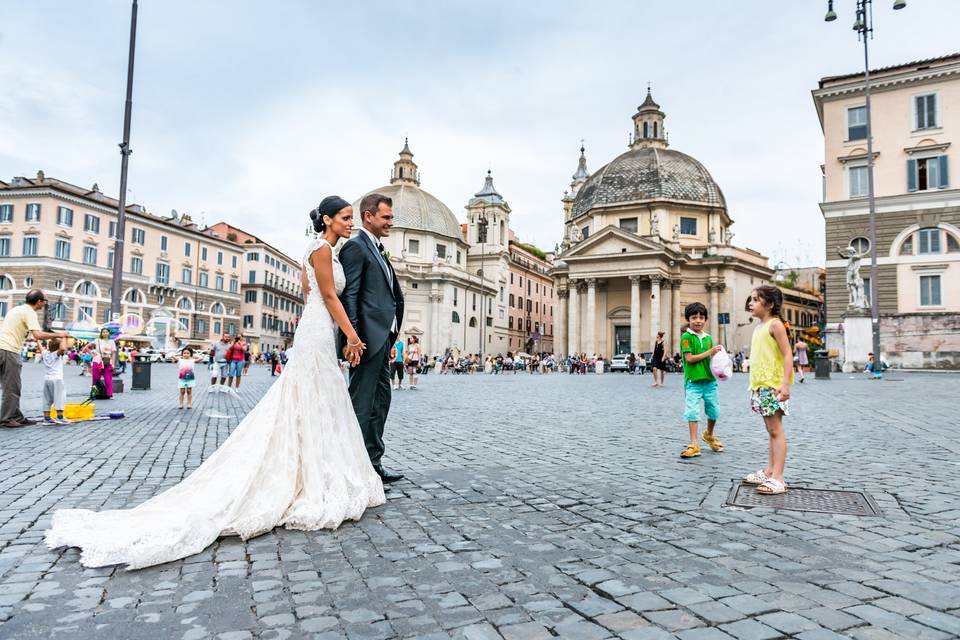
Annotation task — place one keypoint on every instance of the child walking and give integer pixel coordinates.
(771, 374)
(186, 375)
(699, 384)
(53, 391)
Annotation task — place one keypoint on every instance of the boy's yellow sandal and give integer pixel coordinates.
(692, 451)
(713, 441)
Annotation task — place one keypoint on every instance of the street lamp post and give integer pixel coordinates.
(116, 281)
(863, 25)
(482, 239)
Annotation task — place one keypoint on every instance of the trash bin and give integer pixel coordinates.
(141, 375)
(821, 362)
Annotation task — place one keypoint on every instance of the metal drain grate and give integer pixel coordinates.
(850, 503)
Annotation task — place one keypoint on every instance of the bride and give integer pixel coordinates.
(296, 460)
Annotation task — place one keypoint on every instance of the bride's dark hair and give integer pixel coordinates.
(329, 206)
(318, 224)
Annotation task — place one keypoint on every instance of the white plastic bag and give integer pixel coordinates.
(721, 365)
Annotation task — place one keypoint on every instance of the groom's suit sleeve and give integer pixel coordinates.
(351, 259)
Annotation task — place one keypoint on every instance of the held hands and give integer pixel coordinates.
(353, 351)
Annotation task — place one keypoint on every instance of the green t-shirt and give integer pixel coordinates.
(694, 344)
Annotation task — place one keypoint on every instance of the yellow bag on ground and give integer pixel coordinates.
(78, 411)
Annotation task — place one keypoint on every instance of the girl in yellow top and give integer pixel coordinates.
(771, 374)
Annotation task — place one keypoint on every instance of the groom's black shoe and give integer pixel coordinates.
(386, 476)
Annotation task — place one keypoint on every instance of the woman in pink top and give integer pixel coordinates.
(103, 350)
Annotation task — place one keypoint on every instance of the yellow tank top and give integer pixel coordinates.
(766, 361)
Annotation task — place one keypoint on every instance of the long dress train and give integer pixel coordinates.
(296, 460)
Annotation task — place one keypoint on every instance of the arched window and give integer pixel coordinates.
(185, 304)
(135, 296)
(216, 309)
(455, 318)
(473, 323)
(645, 130)
(654, 129)
(87, 288)
(6, 283)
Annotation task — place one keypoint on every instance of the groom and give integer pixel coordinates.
(374, 304)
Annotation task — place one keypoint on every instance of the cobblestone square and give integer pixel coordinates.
(534, 507)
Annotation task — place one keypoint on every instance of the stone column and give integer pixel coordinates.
(654, 306)
(560, 326)
(635, 346)
(590, 331)
(573, 344)
(602, 326)
(436, 301)
(714, 289)
(674, 315)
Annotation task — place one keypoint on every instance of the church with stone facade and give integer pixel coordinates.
(645, 235)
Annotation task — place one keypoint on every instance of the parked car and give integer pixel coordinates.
(620, 362)
(648, 358)
(150, 355)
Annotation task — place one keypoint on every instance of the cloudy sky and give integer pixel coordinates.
(251, 112)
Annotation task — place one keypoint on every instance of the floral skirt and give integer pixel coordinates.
(764, 401)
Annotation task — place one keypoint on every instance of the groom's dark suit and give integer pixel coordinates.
(374, 304)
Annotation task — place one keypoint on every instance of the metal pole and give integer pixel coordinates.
(862, 6)
(483, 304)
(116, 282)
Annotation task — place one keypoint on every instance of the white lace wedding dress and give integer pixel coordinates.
(296, 460)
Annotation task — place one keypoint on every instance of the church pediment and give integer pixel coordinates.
(613, 241)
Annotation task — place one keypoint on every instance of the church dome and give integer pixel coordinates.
(649, 173)
(414, 208)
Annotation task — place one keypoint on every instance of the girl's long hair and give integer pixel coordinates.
(772, 296)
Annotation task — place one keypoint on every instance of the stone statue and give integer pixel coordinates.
(676, 233)
(855, 288)
(575, 235)
(729, 239)
(655, 224)
(712, 235)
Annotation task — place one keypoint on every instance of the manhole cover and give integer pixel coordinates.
(851, 503)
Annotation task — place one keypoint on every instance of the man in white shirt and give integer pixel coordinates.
(20, 322)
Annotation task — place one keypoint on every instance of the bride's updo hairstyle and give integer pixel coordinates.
(329, 206)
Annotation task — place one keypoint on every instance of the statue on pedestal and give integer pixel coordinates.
(655, 224)
(676, 233)
(855, 288)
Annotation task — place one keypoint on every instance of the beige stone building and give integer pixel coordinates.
(916, 129)
(60, 237)
(271, 287)
(646, 234)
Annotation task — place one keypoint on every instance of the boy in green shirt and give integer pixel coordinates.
(698, 381)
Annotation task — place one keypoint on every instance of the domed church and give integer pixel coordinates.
(645, 235)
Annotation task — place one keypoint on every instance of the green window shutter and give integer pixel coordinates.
(943, 172)
(911, 175)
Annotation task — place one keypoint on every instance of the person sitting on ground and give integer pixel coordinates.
(54, 395)
(20, 322)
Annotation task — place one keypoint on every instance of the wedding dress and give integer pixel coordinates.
(296, 460)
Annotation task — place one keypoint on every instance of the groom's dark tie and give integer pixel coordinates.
(381, 250)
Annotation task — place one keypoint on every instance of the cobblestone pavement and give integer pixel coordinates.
(535, 507)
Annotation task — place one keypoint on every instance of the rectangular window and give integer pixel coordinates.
(441, 251)
(232, 328)
(136, 264)
(186, 249)
(858, 181)
(629, 224)
(252, 277)
(65, 216)
(33, 213)
(233, 262)
(204, 279)
(163, 243)
(203, 253)
(454, 296)
(688, 226)
(857, 123)
(89, 255)
(926, 109)
(234, 285)
(6, 213)
(927, 173)
(219, 257)
(253, 256)
(929, 241)
(84, 312)
(867, 290)
(138, 236)
(109, 259)
(930, 291)
(4, 247)
(201, 326)
(250, 296)
(184, 323)
(247, 322)
(186, 275)
(62, 250)
(29, 245)
(585, 232)
(113, 230)
(218, 283)
(91, 223)
(163, 273)
(413, 246)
